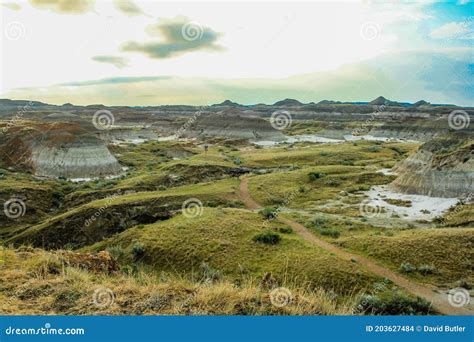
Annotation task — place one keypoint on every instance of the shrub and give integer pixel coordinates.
(138, 249)
(394, 303)
(269, 237)
(315, 175)
(427, 269)
(374, 149)
(116, 252)
(302, 189)
(209, 273)
(406, 267)
(318, 221)
(285, 230)
(329, 232)
(269, 213)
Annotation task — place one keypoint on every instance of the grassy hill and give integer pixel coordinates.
(223, 241)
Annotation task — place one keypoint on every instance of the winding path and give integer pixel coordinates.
(439, 300)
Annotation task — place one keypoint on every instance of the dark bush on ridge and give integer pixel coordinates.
(268, 237)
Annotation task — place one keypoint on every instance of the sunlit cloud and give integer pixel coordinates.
(119, 62)
(128, 7)
(65, 6)
(179, 36)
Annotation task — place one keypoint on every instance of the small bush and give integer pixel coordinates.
(302, 189)
(318, 222)
(285, 230)
(406, 267)
(269, 213)
(427, 269)
(329, 232)
(268, 237)
(374, 149)
(394, 303)
(116, 252)
(315, 175)
(138, 249)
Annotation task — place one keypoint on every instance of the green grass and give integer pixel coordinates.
(448, 251)
(224, 239)
(72, 222)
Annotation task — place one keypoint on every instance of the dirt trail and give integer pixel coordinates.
(439, 300)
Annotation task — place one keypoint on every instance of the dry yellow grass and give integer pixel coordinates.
(39, 282)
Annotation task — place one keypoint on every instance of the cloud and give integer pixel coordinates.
(119, 62)
(115, 80)
(11, 5)
(454, 30)
(65, 6)
(179, 36)
(128, 7)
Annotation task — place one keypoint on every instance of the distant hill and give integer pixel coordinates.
(421, 103)
(228, 103)
(288, 102)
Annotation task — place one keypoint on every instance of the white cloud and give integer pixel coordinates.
(453, 30)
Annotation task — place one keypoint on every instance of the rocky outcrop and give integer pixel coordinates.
(58, 149)
(235, 124)
(77, 160)
(433, 172)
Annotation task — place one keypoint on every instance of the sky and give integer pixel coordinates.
(123, 52)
